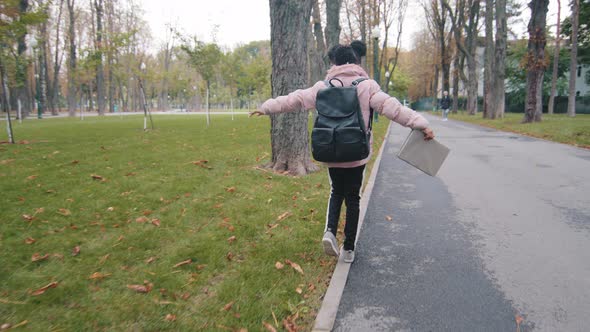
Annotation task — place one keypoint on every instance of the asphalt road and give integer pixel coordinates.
(501, 234)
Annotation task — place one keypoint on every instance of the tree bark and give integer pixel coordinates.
(571, 101)
(100, 88)
(22, 77)
(317, 48)
(289, 132)
(54, 97)
(536, 61)
(551, 105)
(500, 60)
(72, 59)
(333, 28)
(488, 110)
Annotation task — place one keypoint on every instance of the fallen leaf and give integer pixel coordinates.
(269, 327)
(229, 256)
(130, 174)
(271, 227)
(76, 251)
(104, 259)
(141, 288)
(388, 218)
(231, 239)
(5, 326)
(518, 319)
(141, 219)
(44, 288)
(279, 265)
(201, 266)
(97, 177)
(283, 216)
(185, 296)
(230, 189)
(298, 290)
(110, 209)
(289, 325)
(151, 259)
(311, 288)
(294, 266)
(188, 261)
(28, 217)
(64, 212)
(39, 210)
(30, 240)
(6, 161)
(98, 275)
(147, 212)
(170, 317)
(37, 257)
(228, 306)
(32, 177)
(201, 163)
(156, 222)
(74, 162)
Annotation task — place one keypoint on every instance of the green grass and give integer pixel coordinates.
(557, 127)
(151, 175)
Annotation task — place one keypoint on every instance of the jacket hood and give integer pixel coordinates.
(350, 70)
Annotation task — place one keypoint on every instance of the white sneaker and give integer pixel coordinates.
(348, 255)
(330, 244)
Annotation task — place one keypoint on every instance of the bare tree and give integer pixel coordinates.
(72, 58)
(317, 47)
(551, 105)
(535, 61)
(289, 133)
(389, 9)
(100, 88)
(53, 83)
(436, 16)
(571, 101)
(488, 90)
(333, 28)
(500, 60)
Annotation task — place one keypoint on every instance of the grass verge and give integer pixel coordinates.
(557, 127)
(106, 227)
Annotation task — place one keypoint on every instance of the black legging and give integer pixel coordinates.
(346, 186)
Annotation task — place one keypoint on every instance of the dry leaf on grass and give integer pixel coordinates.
(279, 265)
(294, 266)
(283, 216)
(98, 275)
(145, 288)
(32, 177)
(28, 217)
(188, 261)
(110, 209)
(229, 256)
(44, 288)
(230, 189)
(298, 290)
(201, 163)
(156, 222)
(37, 257)
(30, 240)
(6, 161)
(64, 212)
(227, 306)
(98, 177)
(151, 259)
(269, 327)
(289, 325)
(231, 239)
(170, 317)
(141, 219)
(104, 259)
(76, 251)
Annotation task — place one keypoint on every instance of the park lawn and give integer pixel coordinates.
(182, 214)
(557, 127)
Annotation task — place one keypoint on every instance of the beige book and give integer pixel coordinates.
(427, 156)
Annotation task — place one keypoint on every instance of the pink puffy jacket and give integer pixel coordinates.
(370, 96)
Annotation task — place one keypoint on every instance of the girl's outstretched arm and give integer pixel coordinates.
(295, 101)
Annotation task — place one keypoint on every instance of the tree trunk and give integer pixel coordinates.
(317, 48)
(22, 77)
(5, 105)
(100, 89)
(536, 61)
(500, 60)
(289, 134)
(333, 28)
(571, 101)
(72, 59)
(54, 97)
(456, 69)
(551, 105)
(488, 109)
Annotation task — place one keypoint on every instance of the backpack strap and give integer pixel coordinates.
(356, 83)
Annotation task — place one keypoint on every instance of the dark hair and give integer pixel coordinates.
(344, 55)
(359, 48)
(332, 53)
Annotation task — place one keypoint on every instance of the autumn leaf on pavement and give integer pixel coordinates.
(170, 317)
(279, 265)
(76, 251)
(283, 216)
(388, 218)
(30, 240)
(44, 288)
(64, 212)
(188, 261)
(294, 266)
(228, 306)
(37, 257)
(98, 275)
(269, 327)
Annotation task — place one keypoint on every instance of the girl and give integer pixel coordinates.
(346, 178)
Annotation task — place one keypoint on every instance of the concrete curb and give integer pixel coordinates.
(327, 314)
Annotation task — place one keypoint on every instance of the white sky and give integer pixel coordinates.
(242, 21)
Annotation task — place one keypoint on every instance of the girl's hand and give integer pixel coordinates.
(428, 134)
(257, 113)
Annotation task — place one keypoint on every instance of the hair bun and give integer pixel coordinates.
(359, 48)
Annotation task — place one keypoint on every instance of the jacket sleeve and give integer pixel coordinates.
(295, 101)
(392, 109)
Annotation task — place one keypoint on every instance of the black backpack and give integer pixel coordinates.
(339, 133)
